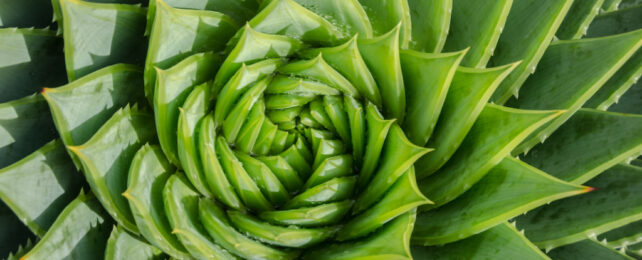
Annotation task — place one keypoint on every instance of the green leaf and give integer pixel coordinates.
(611, 23)
(399, 154)
(107, 156)
(468, 94)
(427, 78)
(322, 215)
(384, 49)
(179, 33)
(278, 235)
(195, 108)
(430, 24)
(348, 15)
(610, 5)
(123, 245)
(478, 25)
(496, 132)
(623, 236)
(615, 203)
(235, 119)
(509, 189)
(587, 249)
(29, 60)
(501, 242)
(377, 130)
(25, 126)
(181, 206)
(218, 226)
(81, 107)
(578, 18)
(97, 35)
(540, 19)
(25, 13)
(402, 197)
(631, 102)
(79, 232)
(50, 172)
(14, 234)
(582, 67)
(148, 174)
(172, 87)
(286, 17)
(576, 153)
(21, 249)
(267, 182)
(392, 241)
(386, 15)
(317, 69)
(334, 190)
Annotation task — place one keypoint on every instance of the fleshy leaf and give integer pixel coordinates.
(578, 18)
(23, 13)
(615, 203)
(179, 33)
(30, 59)
(577, 152)
(385, 15)
(427, 78)
(25, 126)
(496, 132)
(348, 15)
(107, 156)
(50, 172)
(392, 241)
(508, 190)
(587, 249)
(79, 232)
(322, 215)
(172, 87)
(540, 19)
(147, 177)
(181, 207)
(501, 242)
(582, 67)
(468, 93)
(98, 35)
(623, 236)
(430, 24)
(478, 25)
(123, 245)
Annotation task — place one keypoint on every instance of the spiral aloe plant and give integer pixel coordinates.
(320, 129)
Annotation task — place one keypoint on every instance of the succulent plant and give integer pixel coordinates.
(310, 129)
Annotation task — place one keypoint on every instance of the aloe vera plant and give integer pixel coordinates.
(309, 129)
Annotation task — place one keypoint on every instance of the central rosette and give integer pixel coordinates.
(287, 147)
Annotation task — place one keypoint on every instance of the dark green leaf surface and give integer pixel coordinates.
(577, 20)
(587, 249)
(430, 23)
(13, 233)
(623, 236)
(49, 171)
(25, 13)
(500, 242)
(615, 203)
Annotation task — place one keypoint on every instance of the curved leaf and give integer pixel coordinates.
(385, 15)
(348, 15)
(430, 24)
(122, 245)
(578, 18)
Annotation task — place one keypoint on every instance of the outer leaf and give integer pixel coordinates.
(589, 143)
(500, 242)
(427, 78)
(29, 60)
(430, 24)
(181, 207)
(107, 156)
(586, 249)
(348, 15)
(495, 133)
(179, 33)
(631, 102)
(467, 95)
(540, 19)
(25, 13)
(99, 35)
(582, 67)
(123, 245)
(25, 125)
(508, 190)
(79, 232)
(385, 15)
(172, 87)
(81, 107)
(577, 20)
(47, 171)
(147, 177)
(477, 24)
(392, 241)
(615, 203)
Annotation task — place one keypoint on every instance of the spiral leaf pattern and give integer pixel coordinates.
(335, 129)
